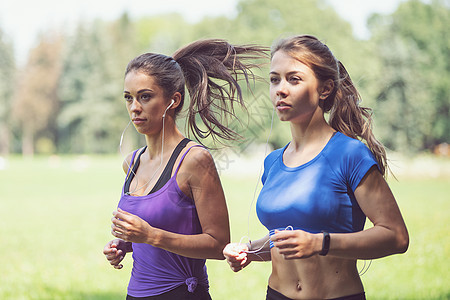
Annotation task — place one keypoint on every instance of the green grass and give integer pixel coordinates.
(55, 219)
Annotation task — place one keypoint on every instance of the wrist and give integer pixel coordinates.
(249, 250)
(154, 237)
(325, 247)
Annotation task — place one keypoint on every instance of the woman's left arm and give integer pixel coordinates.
(388, 235)
(199, 173)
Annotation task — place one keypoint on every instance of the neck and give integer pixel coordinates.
(309, 132)
(156, 142)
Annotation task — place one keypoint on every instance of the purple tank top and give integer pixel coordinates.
(156, 271)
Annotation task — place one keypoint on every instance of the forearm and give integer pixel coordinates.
(259, 250)
(202, 246)
(372, 243)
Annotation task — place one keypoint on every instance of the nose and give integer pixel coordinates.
(135, 106)
(281, 89)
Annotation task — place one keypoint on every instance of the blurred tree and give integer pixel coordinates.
(90, 89)
(35, 103)
(413, 98)
(163, 34)
(7, 76)
(122, 47)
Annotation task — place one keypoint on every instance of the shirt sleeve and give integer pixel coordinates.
(359, 160)
(268, 163)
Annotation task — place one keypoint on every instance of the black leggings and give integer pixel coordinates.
(179, 293)
(274, 295)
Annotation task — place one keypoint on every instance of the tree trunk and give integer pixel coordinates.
(4, 140)
(28, 141)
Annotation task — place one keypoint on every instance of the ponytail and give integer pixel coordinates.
(353, 120)
(212, 69)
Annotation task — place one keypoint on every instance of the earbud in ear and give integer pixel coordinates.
(171, 103)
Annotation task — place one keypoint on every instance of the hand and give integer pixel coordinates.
(129, 227)
(115, 251)
(236, 256)
(295, 244)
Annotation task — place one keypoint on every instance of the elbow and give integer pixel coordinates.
(402, 243)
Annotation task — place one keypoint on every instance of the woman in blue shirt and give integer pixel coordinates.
(319, 188)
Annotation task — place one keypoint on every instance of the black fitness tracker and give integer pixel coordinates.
(325, 243)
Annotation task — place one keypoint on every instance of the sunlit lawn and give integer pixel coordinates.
(55, 219)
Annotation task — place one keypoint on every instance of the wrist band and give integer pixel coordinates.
(325, 243)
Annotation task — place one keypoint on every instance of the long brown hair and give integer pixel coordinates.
(346, 115)
(210, 69)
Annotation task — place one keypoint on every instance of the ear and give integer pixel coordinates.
(176, 97)
(326, 89)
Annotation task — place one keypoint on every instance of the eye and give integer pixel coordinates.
(127, 97)
(145, 97)
(295, 79)
(274, 79)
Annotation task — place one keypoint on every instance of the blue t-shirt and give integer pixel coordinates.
(318, 195)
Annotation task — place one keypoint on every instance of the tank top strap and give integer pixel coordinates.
(131, 161)
(184, 155)
(132, 169)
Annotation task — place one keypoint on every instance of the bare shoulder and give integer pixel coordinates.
(198, 163)
(199, 158)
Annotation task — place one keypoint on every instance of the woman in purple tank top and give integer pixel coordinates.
(172, 213)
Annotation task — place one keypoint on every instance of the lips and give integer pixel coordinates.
(138, 120)
(282, 105)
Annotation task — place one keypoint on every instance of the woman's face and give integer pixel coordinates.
(145, 102)
(294, 89)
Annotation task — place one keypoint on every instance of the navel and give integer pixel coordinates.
(299, 286)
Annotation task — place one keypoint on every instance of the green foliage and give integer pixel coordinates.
(35, 101)
(92, 114)
(162, 34)
(413, 99)
(7, 74)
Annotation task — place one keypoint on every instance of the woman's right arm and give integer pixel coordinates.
(240, 255)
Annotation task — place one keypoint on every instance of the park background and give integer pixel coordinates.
(62, 115)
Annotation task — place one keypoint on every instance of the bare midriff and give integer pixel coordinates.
(317, 277)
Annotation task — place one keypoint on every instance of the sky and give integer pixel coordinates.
(22, 20)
